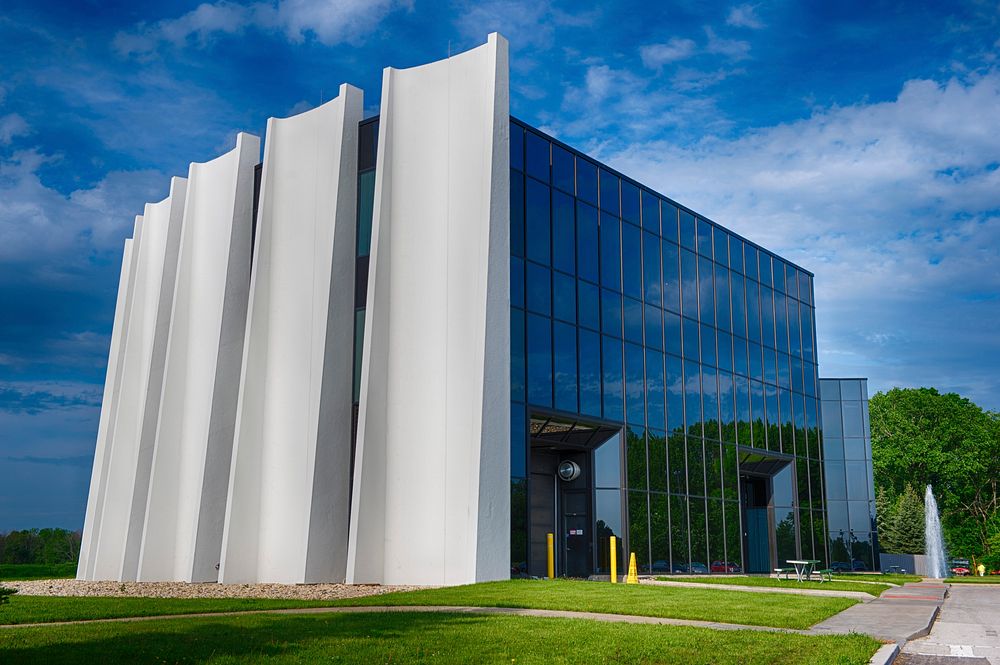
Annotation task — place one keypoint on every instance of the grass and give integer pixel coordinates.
(777, 610)
(872, 589)
(748, 608)
(989, 579)
(892, 578)
(417, 638)
(37, 571)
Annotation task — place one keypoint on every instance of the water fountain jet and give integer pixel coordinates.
(937, 558)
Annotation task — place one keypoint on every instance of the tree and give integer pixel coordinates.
(907, 525)
(884, 516)
(921, 437)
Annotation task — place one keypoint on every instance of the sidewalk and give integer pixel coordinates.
(898, 614)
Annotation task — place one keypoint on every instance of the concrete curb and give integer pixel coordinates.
(886, 655)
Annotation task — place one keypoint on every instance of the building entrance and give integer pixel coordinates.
(766, 492)
(561, 495)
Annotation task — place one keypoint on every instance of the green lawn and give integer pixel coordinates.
(417, 638)
(989, 579)
(37, 571)
(892, 578)
(872, 589)
(742, 607)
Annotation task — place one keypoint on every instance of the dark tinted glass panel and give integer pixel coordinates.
(730, 475)
(539, 360)
(706, 291)
(586, 241)
(770, 366)
(699, 545)
(539, 289)
(516, 214)
(651, 283)
(607, 463)
(611, 313)
(632, 260)
(516, 146)
(743, 419)
(721, 247)
(696, 466)
(564, 356)
(671, 277)
(518, 431)
(727, 405)
(630, 202)
(588, 300)
(791, 281)
(537, 221)
(586, 181)
(633, 320)
(562, 169)
(710, 401)
(691, 351)
(836, 486)
(708, 354)
(779, 275)
(723, 317)
(688, 231)
(674, 384)
(794, 328)
(739, 304)
(734, 539)
(659, 528)
(614, 388)
(611, 252)
(517, 363)
(857, 480)
(692, 397)
(833, 448)
(773, 418)
(767, 316)
(537, 156)
(753, 311)
(758, 415)
(668, 222)
(704, 238)
(764, 263)
(780, 322)
(516, 281)
(564, 297)
(808, 348)
(725, 351)
(655, 399)
(689, 284)
(677, 463)
(672, 333)
(679, 532)
(750, 260)
(609, 193)
(563, 233)
(359, 340)
(651, 213)
(366, 200)
(736, 254)
(756, 361)
(634, 387)
(590, 373)
(638, 529)
(654, 327)
(608, 505)
(740, 357)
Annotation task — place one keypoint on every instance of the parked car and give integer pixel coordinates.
(858, 565)
(960, 567)
(698, 568)
(840, 567)
(661, 566)
(724, 567)
(679, 568)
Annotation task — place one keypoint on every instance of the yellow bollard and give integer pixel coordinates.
(614, 560)
(633, 573)
(552, 559)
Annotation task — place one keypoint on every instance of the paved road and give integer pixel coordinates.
(966, 630)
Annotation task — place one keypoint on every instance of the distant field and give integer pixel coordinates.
(36, 571)
(418, 638)
(891, 578)
(989, 579)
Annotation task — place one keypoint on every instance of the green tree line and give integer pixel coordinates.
(921, 437)
(41, 546)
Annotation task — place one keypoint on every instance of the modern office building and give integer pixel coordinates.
(404, 349)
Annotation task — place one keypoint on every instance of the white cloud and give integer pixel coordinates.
(896, 208)
(655, 56)
(744, 16)
(328, 21)
(11, 125)
(735, 49)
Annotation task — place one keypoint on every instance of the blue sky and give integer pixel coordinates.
(860, 140)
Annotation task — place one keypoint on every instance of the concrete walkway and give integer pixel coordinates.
(897, 615)
(460, 609)
(967, 630)
(791, 588)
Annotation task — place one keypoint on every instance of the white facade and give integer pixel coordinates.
(225, 443)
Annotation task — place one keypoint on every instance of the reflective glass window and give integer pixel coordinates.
(608, 509)
(674, 385)
(725, 351)
(611, 313)
(516, 281)
(677, 464)
(539, 360)
(838, 524)
(736, 254)
(740, 356)
(563, 233)
(633, 320)
(518, 431)
(743, 411)
(607, 463)
(536, 156)
(853, 422)
(710, 401)
(516, 214)
(672, 333)
(796, 374)
(770, 366)
(794, 328)
(586, 242)
(638, 529)
(366, 202)
(723, 317)
(671, 277)
(713, 475)
(586, 180)
(635, 391)
(614, 388)
(753, 311)
(537, 221)
(696, 466)
(630, 202)
(564, 357)
(779, 275)
(609, 193)
(516, 146)
(756, 361)
(804, 294)
(808, 348)
(659, 525)
(784, 371)
(830, 389)
(590, 373)
(589, 304)
(564, 297)
(632, 260)
(562, 169)
(739, 304)
(655, 398)
(727, 406)
(833, 448)
(750, 261)
(706, 291)
(539, 289)
(773, 417)
(721, 239)
(692, 397)
(708, 351)
(764, 269)
(611, 252)
(854, 449)
(679, 531)
(651, 213)
(690, 339)
(689, 284)
(668, 222)
(767, 316)
(791, 281)
(780, 322)
(836, 487)
(653, 327)
(758, 414)
(517, 361)
(851, 390)
(858, 519)
(688, 231)
(651, 283)
(704, 238)
(832, 425)
(857, 480)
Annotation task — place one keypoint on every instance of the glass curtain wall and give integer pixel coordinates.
(632, 309)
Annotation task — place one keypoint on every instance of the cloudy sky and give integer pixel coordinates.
(860, 140)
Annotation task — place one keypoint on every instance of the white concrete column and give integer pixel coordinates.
(431, 495)
(139, 397)
(185, 510)
(287, 514)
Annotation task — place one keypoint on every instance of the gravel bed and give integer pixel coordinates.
(201, 589)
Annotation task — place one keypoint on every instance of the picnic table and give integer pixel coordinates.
(803, 567)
